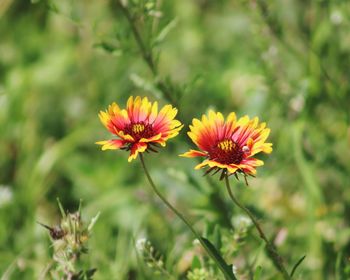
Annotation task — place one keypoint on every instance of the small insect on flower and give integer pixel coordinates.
(139, 127)
(229, 145)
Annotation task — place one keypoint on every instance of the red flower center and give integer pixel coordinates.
(227, 152)
(139, 130)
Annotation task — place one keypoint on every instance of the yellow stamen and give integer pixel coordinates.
(227, 145)
(138, 128)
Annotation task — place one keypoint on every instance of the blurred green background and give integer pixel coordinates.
(284, 61)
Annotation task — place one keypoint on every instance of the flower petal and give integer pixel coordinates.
(164, 118)
(136, 149)
(211, 163)
(153, 113)
(151, 139)
(194, 153)
(111, 144)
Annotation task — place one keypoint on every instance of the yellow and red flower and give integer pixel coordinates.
(139, 127)
(229, 145)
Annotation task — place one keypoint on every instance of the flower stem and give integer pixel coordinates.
(273, 254)
(182, 218)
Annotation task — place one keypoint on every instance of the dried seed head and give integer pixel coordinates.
(56, 232)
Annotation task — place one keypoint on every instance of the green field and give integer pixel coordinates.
(287, 62)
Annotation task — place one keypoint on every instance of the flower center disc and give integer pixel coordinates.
(227, 152)
(139, 130)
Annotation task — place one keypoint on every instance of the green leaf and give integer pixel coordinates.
(227, 269)
(61, 208)
(338, 274)
(79, 208)
(90, 273)
(85, 275)
(196, 263)
(145, 85)
(165, 31)
(217, 236)
(296, 265)
(109, 48)
(53, 8)
(257, 273)
(93, 221)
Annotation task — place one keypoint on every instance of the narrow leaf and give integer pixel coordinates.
(215, 253)
(196, 263)
(338, 274)
(217, 237)
(165, 31)
(109, 48)
(79, 208)
(61, 208)
(93, 221)
(296, 265)
(257, 273)
(145, 85)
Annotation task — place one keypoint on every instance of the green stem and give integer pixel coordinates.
(276, 258)
(182, 218)
(146, 53)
